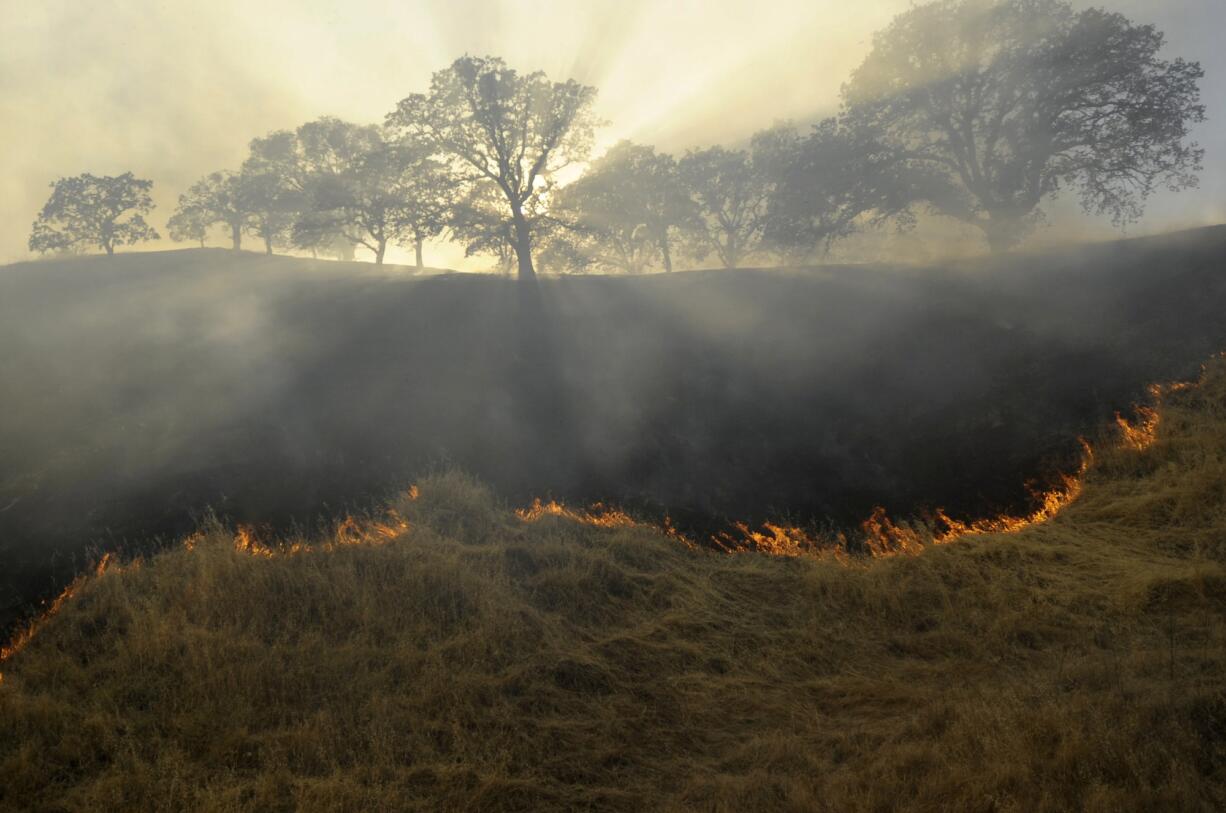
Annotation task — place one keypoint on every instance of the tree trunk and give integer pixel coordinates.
(1003, 231)
(380, 251)
(202, 242)
(417, 247)
(666, 253)
(236, 234)
(110, 248)
(730, 252)
(268, 244)
(523, 246)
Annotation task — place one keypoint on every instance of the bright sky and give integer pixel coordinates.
(172, 89)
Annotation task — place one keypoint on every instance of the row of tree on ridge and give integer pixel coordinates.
(978, 110)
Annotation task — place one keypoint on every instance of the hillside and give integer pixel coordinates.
(448, 655)
(143, 390)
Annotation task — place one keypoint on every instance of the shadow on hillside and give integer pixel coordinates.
(141, 391)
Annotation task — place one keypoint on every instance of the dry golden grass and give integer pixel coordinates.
(478, 662)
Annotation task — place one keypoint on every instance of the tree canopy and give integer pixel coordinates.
(369, 189)
(625, 207)
(217, 198)
(826, 186)
(94, 210)
(496, 125)
(352, 183)
(272, 184)
(189, 224)
(982, 110)
(730, 192)
(996, 105)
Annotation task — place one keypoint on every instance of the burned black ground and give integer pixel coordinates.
(140, 390)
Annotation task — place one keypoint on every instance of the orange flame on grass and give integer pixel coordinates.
(245, 542)
(1142, 434)
(884, 538)
(597, 514)
(351, 531)
(348, 532)
(1051, 502)
(772, 539)
(879, 535)
(22, 639)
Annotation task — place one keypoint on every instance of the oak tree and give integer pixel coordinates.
(508, 129)
(626, 207)
(997, 105)
(217, 198)
(94, 210)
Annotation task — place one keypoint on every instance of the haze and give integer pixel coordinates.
(171, 90)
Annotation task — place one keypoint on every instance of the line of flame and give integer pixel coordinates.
(23, 637)
(881, 536)
(349, 531)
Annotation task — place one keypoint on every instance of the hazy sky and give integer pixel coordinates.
(172, 89)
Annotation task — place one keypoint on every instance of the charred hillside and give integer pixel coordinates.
(447, 655)
(141, 389)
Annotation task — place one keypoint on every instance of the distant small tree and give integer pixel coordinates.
(429, 192)
(350, 180)
(217, 198)
(271, 186)
(373, 191)
(189, 224)
(996, 105)
(731, 193)
(338, 247)
(511, 130)
(624, 209)
(826, 186)
(319, 241)
(92, 210)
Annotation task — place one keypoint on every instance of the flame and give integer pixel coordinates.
(1051, 502)
(600, 515)
(245, 542)
(596, 514)
(22, 639)
(348, 532)
(351, 531)
(194, 539)
(1141, 435)
(879, 536)
(883, 538)
(772, 539)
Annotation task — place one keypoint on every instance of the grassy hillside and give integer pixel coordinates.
(448, 655)
(141, 390)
